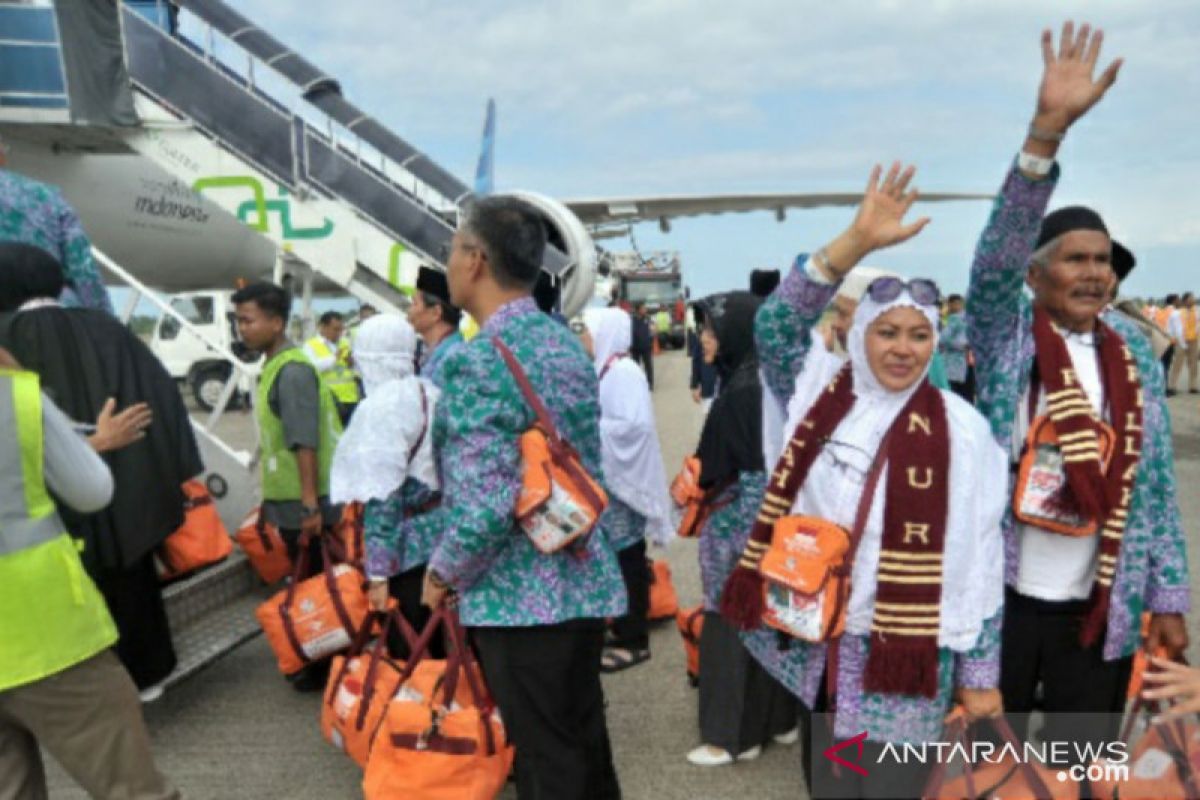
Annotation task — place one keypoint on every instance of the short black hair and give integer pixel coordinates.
(954, 298)
(1188, 296)
(1171, 300)
(270, 299)
(451, 315)
(513, 234)
(365, 307)
(331, 316)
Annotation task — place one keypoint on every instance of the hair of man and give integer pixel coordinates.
(269, 298)
(451, 315)
(512, 234)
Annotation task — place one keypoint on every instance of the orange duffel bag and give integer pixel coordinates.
(1164, 763)
(441, 748)
(690, 622)
(361, 684)
(314, 618)
(664, 602)
(200, 541)
(262, 544)
(1005, 779)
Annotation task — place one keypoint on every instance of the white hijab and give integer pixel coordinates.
(820, 365)
(371, 461)
(629, 447)
(973, 582)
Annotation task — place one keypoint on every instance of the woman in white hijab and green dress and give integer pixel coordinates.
(639, 503)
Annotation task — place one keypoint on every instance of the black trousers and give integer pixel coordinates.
(632, 631)
(741, 705)
(406, 589)
(1040, 645)
(965, 388)
(646, 359)
(546, 681)
(134, 598)
(888, 779)
(1166, 361)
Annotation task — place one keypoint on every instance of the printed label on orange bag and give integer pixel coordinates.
(558, 522)
(349, 693)
(320, 633)
(1043, 495)
(802, 593)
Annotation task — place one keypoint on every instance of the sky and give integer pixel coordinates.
(604, 98)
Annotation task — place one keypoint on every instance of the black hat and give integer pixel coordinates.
(546, 293)
(763, 282)
(433, 281)
(1081, 218)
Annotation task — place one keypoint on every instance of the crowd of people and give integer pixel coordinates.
(864, 565)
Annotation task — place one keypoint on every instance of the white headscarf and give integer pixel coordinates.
(973, 582)
(629, 447)
(820, 365)
(371, 461)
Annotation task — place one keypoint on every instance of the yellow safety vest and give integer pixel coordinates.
(1189, 324)
(339, 379)
(51, 615)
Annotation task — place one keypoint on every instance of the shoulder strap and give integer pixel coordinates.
(424, 422)
(531, 397)
(868, 495)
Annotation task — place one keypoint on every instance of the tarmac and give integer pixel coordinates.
(237, 729)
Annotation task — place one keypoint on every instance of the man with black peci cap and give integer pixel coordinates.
(435, 320)
(1074, 393)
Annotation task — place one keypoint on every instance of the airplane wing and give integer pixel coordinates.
(627, 210)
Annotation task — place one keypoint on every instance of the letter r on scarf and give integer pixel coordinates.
(914, 483)
(915, 421)
(918, 530)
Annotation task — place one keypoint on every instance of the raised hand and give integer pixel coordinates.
(880, 219)
(1068, 89)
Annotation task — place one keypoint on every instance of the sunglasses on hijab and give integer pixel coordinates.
(922, 290)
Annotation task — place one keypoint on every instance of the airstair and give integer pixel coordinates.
(232, 114)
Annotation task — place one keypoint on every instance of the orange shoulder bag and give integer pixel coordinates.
(559, 501)
(1043, 496)
(806, 571)
(697, 504)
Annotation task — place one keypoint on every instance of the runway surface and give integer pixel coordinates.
(237, 730)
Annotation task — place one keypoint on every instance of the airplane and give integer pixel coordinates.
(175, 239)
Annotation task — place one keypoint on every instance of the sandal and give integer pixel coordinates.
(616, 659)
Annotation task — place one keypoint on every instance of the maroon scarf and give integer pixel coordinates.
(1100, 495)
(904, 632)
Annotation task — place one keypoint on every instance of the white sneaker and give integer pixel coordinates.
(705, 756)
(791, 737)
(151, 693)
(751, 754)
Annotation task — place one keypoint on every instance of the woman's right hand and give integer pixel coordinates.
(377, 595)
(879, 222)
(115, 431)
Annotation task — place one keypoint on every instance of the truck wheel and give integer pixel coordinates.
(208, 383)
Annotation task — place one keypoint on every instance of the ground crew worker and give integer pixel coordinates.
(61, 686)
(299, 429)
(329, 350)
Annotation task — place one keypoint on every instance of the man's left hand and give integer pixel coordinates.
(433, 592)
(1169, 632)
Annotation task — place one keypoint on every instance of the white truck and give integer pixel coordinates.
(189, 359)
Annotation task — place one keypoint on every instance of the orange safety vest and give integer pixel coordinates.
(1162, 317)
(1189, 324)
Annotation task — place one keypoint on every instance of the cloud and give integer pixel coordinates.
(665, 96)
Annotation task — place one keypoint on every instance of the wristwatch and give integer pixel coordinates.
(309, 511)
